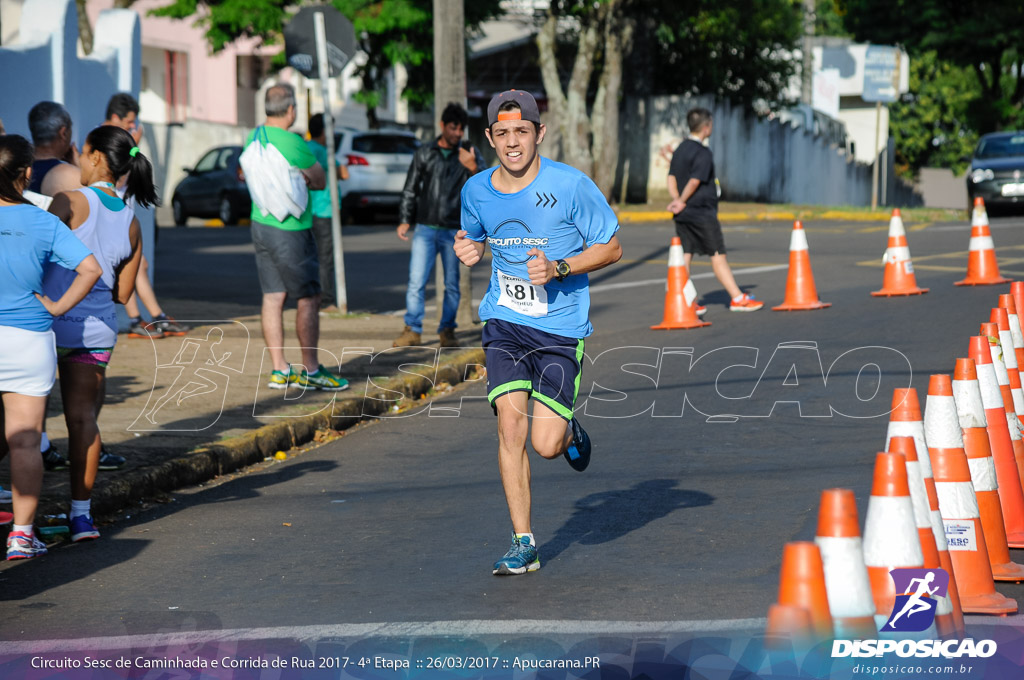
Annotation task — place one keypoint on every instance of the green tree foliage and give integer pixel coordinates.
(983, 36)
(740, 50)
(388, 31)
(930, 123)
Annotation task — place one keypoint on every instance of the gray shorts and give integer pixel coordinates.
(286, 261)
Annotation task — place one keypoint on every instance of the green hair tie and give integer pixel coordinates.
(134, 151)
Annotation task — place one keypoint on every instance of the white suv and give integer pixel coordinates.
(378, 161)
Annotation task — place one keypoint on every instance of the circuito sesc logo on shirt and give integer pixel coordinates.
(512, 239)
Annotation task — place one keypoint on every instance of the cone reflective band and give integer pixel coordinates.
(801, 293)
(905, 421)
(846, 577)
(1011, 494)
(929, 525)
(944, 560)
(967, 546)
(1007, 302)
(802, 584)
(1001, 318)
(890, 537)
(982, 267)
(899, 276)
(680, 294)
(971, 418)
(991, 331)
(918, 498)
(1017, 291)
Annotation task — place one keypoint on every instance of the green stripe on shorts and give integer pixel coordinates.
(505, 388)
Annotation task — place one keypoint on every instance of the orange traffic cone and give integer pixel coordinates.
(899, 276)
(971, 420)
(967, 539)
(1001, 318)
(890, 537)
(846, 577)
(1017, 291)
(945, 561)
(801, 293)
(680, 294)
(982, 267)
(1007, 302)
(918, 498)
(1011, 494)
(802, 584)
(788, 622)
(991, 331)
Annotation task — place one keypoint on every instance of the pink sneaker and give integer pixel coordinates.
(747, 303)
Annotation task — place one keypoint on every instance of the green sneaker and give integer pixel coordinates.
(280, 380)
(321, 380)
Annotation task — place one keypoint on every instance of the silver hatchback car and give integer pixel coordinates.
(378, 161)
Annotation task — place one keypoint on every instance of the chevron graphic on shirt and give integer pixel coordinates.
(548, 200)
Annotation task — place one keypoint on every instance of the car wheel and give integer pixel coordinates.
(180, 217)
(226, 211)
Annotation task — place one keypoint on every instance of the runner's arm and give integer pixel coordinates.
(124, 277)
(468, 250)
(594, 257)
(89, 272)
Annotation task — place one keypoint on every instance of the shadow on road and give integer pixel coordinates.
(608, 515)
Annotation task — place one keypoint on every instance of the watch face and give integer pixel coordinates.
(563, 268)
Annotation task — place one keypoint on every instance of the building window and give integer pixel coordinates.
(176, 86)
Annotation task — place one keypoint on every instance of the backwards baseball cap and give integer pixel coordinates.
(527, 107)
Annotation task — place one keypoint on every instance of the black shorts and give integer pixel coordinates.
(703, 237)
(286, 261)
(524, 359)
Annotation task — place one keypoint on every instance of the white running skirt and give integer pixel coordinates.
(28, 361)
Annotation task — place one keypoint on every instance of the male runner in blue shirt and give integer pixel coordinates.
(547, 225)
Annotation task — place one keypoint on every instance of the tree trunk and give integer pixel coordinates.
(84, 27)
(450, 86)
(618, 33)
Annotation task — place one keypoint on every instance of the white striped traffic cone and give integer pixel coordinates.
(846, 577)
(982, 266)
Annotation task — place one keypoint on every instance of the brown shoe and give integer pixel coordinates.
(408, 338)
(448, 338)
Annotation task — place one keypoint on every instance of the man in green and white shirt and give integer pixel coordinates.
(286, 257)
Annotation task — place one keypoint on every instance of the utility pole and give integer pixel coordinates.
(807, 64)
(450, 86)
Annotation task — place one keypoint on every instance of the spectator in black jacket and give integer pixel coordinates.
(431, 201)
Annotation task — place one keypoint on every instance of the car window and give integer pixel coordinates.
(208, 162)
(1001, 147)
(224, 162)
(385, 144)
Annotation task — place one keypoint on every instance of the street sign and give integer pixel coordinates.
(300, 41)
(881, 74)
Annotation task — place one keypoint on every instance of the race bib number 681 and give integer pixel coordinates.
(522, 296)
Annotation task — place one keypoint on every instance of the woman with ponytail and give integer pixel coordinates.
(87, 334)
(29, 240)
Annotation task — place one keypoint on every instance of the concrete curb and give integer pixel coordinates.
(646, 216)
(206, 462)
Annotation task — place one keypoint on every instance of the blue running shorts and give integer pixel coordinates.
(524, 359)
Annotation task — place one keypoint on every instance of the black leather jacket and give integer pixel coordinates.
(433, 187)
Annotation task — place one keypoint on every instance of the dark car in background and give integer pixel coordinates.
(997, 171)
(215, 187)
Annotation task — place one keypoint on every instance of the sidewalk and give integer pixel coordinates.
(728, 211)
(183, 410)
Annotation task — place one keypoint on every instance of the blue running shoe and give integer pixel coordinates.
(520, 558)
(578, 453)
(83, 529)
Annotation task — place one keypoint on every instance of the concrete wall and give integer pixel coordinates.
(755, 159)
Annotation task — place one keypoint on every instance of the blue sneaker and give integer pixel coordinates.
(520, 558)
(83, 529)
(578, 453)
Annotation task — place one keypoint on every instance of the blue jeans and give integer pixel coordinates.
(426, 244)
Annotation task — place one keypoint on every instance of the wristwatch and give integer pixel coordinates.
(562, 269)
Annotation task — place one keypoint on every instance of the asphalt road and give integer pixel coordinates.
(711, 449)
